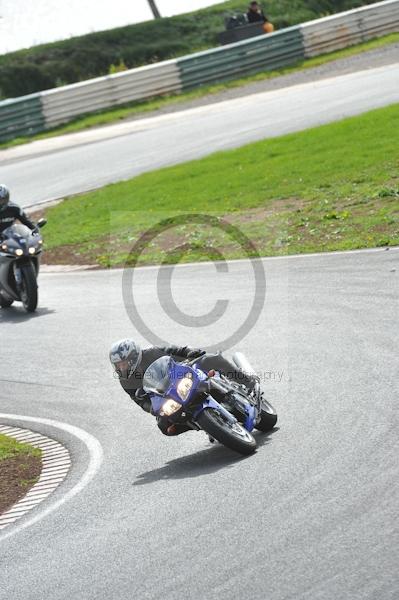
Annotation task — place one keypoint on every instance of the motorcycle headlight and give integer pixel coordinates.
(184, 387)
(32, 250)
(4, 247)
(19, 252)
(169, 407)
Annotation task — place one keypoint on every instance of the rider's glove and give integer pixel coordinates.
(196, 353)
(143, 399)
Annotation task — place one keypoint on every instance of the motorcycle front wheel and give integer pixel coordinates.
(5, 302)
(29, 294)
(231, 435)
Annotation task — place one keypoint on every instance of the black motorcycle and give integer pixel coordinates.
(20, 251)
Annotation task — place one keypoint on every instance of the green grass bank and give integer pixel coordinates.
(334, 187)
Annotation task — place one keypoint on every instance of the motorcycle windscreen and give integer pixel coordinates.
(17, 230)
(156, 379)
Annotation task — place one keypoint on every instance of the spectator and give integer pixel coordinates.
(255, 13)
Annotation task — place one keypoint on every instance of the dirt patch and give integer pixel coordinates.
(96, 251)
(68, 255)
(17, 475)
(282, 225)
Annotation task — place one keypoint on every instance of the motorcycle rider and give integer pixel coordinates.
(130, 362)
(10, 212)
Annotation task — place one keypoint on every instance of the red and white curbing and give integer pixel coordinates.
(55, 466)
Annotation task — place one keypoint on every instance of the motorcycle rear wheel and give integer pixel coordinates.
(268, 417)
(29, 295)
(233, 436)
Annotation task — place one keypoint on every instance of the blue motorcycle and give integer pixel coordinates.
(184, 394)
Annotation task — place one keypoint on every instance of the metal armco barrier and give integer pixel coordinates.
(21, 117)
(30, 114)
(261, 53)
(62, 104)
(348, 28)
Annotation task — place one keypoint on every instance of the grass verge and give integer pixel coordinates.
(137, 108)
(20, 467)
(10, 448)
(334, 187)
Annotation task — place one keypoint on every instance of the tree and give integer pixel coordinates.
(154, 8)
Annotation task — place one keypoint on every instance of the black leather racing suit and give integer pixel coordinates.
(10, 213)
(254, 16)
(133, 385)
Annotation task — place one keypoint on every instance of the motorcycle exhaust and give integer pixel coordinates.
(241, 361)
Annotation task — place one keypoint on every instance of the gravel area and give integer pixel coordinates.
(370, 59)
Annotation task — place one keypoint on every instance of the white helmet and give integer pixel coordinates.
(4, 195)
(125, 356)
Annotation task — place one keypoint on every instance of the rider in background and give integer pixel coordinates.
(10, 212)
(255, 13)
(130, 362)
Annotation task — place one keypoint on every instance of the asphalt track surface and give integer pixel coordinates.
(312, 515)
(53, 168)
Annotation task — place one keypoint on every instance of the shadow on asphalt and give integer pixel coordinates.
(201, 463)
(17, 314)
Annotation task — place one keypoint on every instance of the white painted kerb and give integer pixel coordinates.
(55, 466)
